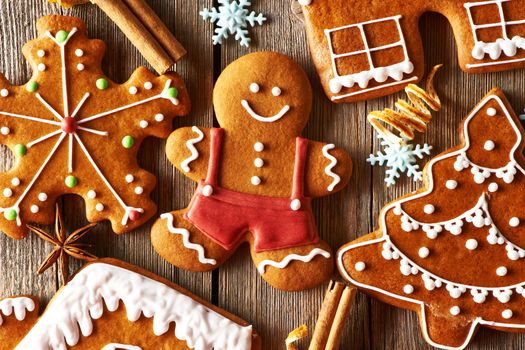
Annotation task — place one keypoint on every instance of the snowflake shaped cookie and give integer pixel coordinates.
(399, 158)
(232, 18)
(74, 131)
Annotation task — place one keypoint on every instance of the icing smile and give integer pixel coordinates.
(260, 118)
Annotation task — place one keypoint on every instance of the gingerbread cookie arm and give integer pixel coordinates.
(189, 150)
(17, 317)
(328, 169)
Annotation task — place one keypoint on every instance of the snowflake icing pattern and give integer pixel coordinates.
(233, 18)
(400, 158)
(90, 149)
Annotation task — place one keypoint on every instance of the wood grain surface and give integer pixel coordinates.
(342, 217)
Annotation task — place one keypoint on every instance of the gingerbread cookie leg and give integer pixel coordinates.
(182, 244)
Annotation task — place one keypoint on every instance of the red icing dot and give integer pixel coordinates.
(134, 215)
(69, 125)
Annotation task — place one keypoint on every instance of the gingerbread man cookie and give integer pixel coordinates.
(257, 178)
(74, 131)
(367, 49)
(454, 251)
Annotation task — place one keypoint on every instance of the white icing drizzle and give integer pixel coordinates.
(190, 144)
(305, 2)
(98, 286)
(186, 240)
(260, 118)
(19, 306)
(328, 170)
(482, 173)
(379, 74)
(115, 346)
(292, 257)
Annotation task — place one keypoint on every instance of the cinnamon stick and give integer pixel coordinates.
(157, 28)
(137, 33)
(341, 315)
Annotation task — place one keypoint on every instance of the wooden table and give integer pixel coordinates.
(342, 217)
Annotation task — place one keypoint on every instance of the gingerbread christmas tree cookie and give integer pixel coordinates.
(454, 251)
(74, 131)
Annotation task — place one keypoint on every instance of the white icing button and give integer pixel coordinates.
(148, 85)
(79, 52)
(254, 87)
(42, 197)
(133, 90)
(15, 181)
(5, 130)
(455, 310)
(41, 67)
(130, 178)
(258, 147)
(207, 191)
(424, 252)
(139, 190)
(143, 124)
(92, 194)
(360, 266)
(159, 117)
(295, 205)
(4, 92)
(35, 209)
(514, 222)
(489, 145)
(451, 184)
(507, 314)
(99, 207)
(491, 112)
(80, 67)
(8, 192)
(501, 271)
(408, 289)
(41, 53)
(258, 162)
(429, 209)
(493, 187)
(471, 244)
(276, 91)
(256, 180)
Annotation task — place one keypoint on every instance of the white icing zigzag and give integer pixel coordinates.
(328, 170)
(190, 144)
(186, 240)
(286, 261)
(99, 285)
(17, 305)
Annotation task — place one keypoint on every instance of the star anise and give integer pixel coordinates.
(64, 246)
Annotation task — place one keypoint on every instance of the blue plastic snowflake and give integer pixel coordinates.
(400, 158)
(232, 18)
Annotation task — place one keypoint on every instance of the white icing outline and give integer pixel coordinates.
(260, 118)
(384, 86)
(19, 306)
(116, 346)
(384, 238)
(292, 257)
(186, 240)
(100, 286)
(328, 170)
(190, 144)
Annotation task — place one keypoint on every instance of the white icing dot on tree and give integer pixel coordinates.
(489, 145)
(133, 90)
(15, 181)
(143, 124)
(491, 112)
(360, 266)
(493, 187)
(42, 197)
(35, 209)
(451, 184)
(501, 271)
(139, 190)
(41, 53)
(4, 92)
(471, 244)
(514, 222)
(507, 314)
(80, 67)
(258, 162)
(258, 147)
(8, 193)
(79, 52)
(148, 85)
(41, 67)
(424, 252)
(130, 178)
(99, 207)
(254, 87)
(5, 130)
(255, 180)
(455, 310)
(408, 289)
(159, 117)
(429, 209)
(276, 91)
(92, 194)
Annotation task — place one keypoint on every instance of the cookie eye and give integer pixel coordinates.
(254, 87)
(276, 91)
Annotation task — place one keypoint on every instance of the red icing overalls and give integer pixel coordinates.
(227, 216)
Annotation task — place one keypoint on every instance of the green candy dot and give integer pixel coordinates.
(61, 36)
(128, 141)
(102, 84)
(20, 150)
(10, 214)
(32, 86)
(173, 92)
(71, 181)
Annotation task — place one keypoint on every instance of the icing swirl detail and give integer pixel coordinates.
(190, 144)
(328, 170)
(292, 257)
